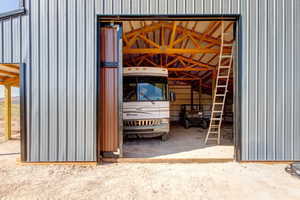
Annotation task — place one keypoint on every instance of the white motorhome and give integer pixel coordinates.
(146, 107)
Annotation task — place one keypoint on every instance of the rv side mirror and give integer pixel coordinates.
(172, 96)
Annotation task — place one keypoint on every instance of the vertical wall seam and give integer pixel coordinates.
(293, 79)
(266, 77)
(21, 42)
(11, 41)
(48, 82)
(29, 116)
(76, 85)
(67, 79)
(284, 78)
(94, 85)
(58, 82)
(256, 78)
(248, 67)
(274, 83)
(39, 87)
(85, 76)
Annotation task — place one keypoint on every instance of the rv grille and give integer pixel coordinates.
(145, 122)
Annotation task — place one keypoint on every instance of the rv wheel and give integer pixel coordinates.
(186, 124)
(165, 137)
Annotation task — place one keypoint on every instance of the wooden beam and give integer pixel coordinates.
(7, 112)
(179, 28)
(13, 66)
(178, 69)
(9, 73)
(10, 81)
(173, 34)
(183, 79)
(148, 41)
(172, 51)
(197, 63)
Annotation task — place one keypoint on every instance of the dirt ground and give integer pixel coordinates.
(182, 143)
(143, 181)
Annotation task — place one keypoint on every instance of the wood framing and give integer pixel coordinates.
(7, 113)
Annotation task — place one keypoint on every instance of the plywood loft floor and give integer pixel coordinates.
(183, 143)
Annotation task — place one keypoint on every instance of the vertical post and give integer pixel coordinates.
(200, 91)
(213, 82)
(192, 97)
(7, 111)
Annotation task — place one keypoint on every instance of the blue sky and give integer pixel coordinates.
(8, 5)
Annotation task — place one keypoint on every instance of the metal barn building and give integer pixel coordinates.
(56, 44)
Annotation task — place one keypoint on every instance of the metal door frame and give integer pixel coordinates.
(237, 99)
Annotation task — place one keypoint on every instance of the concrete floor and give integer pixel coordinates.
(183, 143)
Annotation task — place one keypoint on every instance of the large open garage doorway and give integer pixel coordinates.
(178, 86)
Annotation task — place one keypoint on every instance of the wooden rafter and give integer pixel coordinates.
(179, 29)
(182, 79)
(148, 41)
(9, 73)
(169, 51)
(197, 63)
(12, 66)
(173, 34)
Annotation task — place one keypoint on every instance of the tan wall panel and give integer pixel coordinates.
(183, 96)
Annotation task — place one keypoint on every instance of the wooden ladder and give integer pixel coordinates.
(221, 89)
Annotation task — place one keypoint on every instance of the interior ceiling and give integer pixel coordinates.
(189, 49)
(9, 74)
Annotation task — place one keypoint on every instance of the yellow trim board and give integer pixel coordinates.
(83, 163)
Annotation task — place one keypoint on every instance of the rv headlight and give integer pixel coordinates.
(164, 120)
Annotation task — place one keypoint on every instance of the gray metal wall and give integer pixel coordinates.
(56, 40)
(58, 45)
(270, 80)
(270, 112)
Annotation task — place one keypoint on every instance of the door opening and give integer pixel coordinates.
(170, 73)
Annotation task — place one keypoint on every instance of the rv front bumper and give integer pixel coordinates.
(144, 129)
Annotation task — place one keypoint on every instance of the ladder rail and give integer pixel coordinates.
(216, 121)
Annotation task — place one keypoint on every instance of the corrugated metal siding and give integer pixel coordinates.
(270, 95)
(56, 40)
(269, 98)
(163, 7)
(61, 55)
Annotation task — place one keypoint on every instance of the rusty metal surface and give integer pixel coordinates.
(109, 42)
(109, 110)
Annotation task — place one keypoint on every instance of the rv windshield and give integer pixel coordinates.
(145, 89)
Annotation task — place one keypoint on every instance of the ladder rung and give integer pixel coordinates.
(222, 86)
(214, 126)
(224, 67)
(212, 138)
(215, 132)
(219, 103)
(222, 76)
(226, 56)
(227, 45)
(217, 111)
(216, 119)
(220, 95)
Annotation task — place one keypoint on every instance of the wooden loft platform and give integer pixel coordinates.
(9, 77)
(188, 49)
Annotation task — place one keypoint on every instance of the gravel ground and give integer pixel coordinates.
(143, 181)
